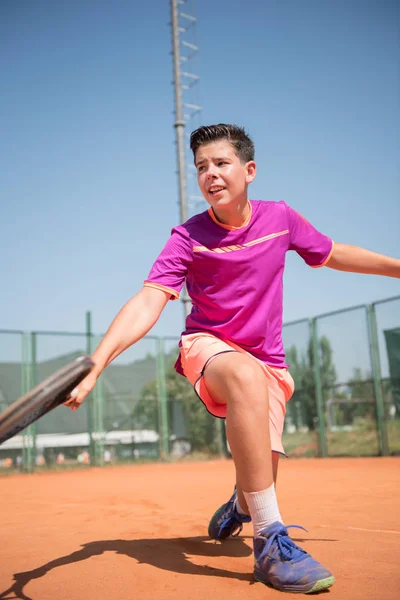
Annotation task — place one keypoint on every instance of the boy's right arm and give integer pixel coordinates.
(134, 321)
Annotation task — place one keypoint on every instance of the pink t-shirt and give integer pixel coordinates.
(234, 276)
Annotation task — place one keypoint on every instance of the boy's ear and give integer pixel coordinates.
(251, 169)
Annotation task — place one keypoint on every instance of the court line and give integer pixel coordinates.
(125, 507)
(361, 529)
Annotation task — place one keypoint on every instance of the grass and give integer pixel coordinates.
(363, 440)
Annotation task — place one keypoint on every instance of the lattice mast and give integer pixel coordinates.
(187, 106)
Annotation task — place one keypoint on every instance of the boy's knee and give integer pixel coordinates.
(246, 374)
(235, 370)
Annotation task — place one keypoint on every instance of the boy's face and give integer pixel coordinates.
(222, 177)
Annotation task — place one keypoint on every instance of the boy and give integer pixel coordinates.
(232, 260)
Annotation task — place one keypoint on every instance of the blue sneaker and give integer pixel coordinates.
(281, 564)
(227, 521)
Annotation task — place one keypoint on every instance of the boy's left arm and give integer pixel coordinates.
(359, 260)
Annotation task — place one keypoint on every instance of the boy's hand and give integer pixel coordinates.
(78, 395)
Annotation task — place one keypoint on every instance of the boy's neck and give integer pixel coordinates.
(233, 216)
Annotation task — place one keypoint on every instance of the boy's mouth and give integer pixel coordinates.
(217, 189)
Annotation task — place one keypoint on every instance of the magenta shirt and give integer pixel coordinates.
(234, 276)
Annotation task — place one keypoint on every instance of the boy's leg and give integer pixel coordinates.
(239, 491)
(237, 381)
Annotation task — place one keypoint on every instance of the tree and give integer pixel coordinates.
(302, 371)
(362, 388)
(202, 429)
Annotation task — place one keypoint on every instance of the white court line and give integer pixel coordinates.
(129, 507)
(361, 529)
(375, 530)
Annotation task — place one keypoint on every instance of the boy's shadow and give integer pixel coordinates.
(168, 554)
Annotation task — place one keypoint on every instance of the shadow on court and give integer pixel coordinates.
(166, 554)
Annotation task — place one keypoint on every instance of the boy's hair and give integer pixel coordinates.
(241, 142)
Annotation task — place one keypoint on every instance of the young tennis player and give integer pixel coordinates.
(232, 259)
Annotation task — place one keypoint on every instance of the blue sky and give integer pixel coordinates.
(88, 186)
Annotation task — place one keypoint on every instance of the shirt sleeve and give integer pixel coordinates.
(314, 247)
(169, 271)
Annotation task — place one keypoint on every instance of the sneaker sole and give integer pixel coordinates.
(321, 584)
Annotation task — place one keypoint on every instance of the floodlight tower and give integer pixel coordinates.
(187, 107)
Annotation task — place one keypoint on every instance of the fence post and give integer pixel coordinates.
(319, 398)
(162, 399)
(33, 383)
(220, 438)
(24, 390)
(376, 373)
(98, 401)
(29, 434)
(89, 400)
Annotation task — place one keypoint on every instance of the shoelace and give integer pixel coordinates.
(287, 547)
(226, 521)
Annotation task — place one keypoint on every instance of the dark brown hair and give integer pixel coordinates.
(236, 136)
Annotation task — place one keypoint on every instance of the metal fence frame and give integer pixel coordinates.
(372, 330)
(95, 402)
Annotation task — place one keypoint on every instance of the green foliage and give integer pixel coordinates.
(362, 389)
(201, 428)
(301, 369)
(362, 396)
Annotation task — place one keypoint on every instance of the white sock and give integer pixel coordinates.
(239, 508)
(263, 507)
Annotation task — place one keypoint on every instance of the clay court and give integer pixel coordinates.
(141, 531)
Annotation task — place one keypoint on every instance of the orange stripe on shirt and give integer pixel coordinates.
(163, 288)
(267, 237)
(240, 247)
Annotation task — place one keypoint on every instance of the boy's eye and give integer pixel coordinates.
(222, 162)
(200, 169)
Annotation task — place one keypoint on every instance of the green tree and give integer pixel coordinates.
(361, 402)
(302, 371)
(362, 390)
(202, 429)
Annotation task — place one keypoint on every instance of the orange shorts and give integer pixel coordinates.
(198, 349)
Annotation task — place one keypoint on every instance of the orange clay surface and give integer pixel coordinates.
(140, 532)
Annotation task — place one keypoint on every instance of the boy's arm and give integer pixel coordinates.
(359, 260)
(133, 321)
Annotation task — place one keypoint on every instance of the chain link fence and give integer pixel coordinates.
(346, 367)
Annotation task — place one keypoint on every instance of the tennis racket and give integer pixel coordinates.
(49, 394)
